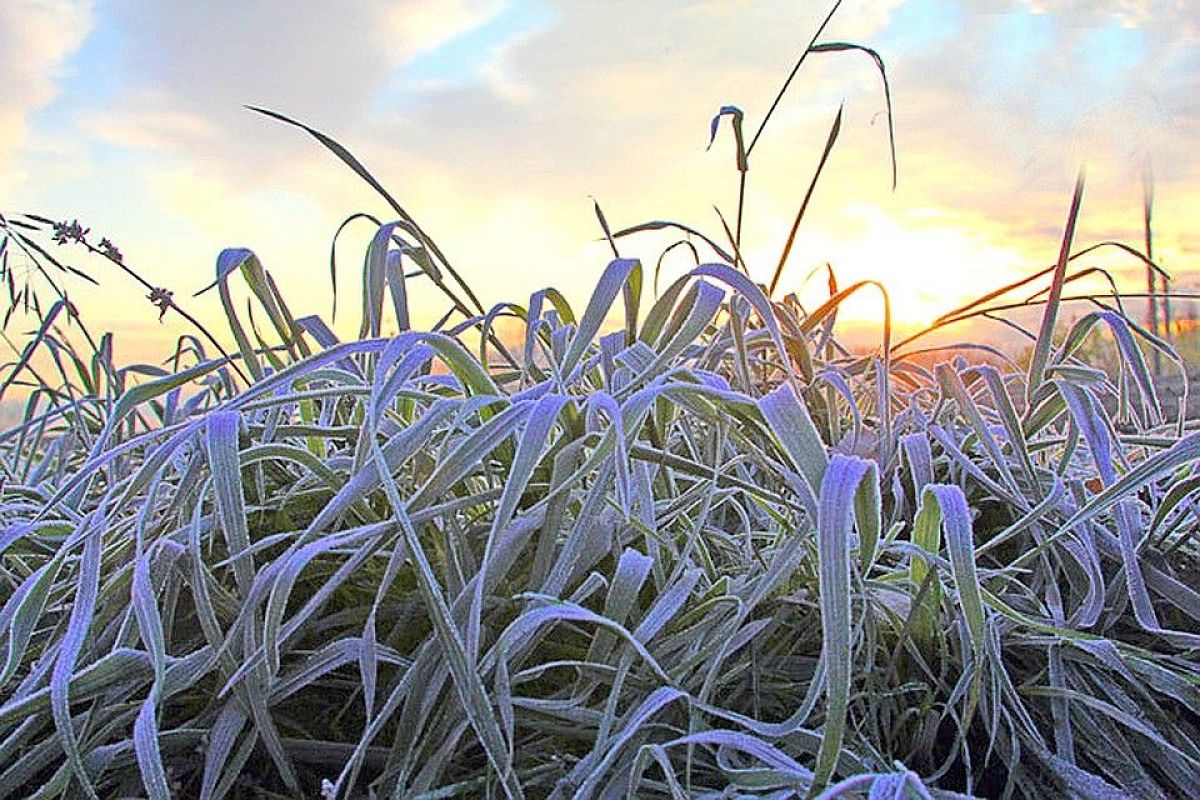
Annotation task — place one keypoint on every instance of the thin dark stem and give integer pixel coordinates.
(163, 299)
(1151, 278)
(782, 89)
(791, 239)
(737, 238)
(213, 340)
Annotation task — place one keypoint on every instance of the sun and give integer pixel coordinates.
(927, 264)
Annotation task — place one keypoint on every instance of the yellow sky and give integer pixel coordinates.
(496, 123)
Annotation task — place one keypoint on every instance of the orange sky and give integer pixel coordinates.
(495, 123)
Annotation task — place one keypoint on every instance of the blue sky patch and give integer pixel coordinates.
(461, 60)
(918, 25)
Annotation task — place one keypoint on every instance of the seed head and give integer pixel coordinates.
(109, 249)
(69, 232)
(161, 298)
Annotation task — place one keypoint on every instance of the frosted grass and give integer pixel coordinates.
(710, 554)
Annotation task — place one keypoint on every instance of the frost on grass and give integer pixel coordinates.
(712, 553)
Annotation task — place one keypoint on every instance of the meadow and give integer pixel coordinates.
(707, 552)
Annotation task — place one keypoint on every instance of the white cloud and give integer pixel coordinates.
(421, 26)
(36, 37)
(613, 99)
(148, 119)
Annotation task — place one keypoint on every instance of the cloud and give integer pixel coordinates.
(185, 61)
(497, 123)
(996, 111)
(994, 121)
(36, 37)
(149, 120)
(421, 26)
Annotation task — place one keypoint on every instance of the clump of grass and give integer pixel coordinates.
(710, 554)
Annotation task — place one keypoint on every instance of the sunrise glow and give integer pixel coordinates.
(497, 123)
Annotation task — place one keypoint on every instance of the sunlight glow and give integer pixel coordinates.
(927, 265)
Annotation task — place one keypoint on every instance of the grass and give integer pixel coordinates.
(709, 554)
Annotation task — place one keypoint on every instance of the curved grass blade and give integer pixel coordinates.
(838, 47)
(1045, 337)
(838, 491)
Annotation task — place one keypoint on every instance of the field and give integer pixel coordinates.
(706, 552)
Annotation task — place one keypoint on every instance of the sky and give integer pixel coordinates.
(496, 123)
